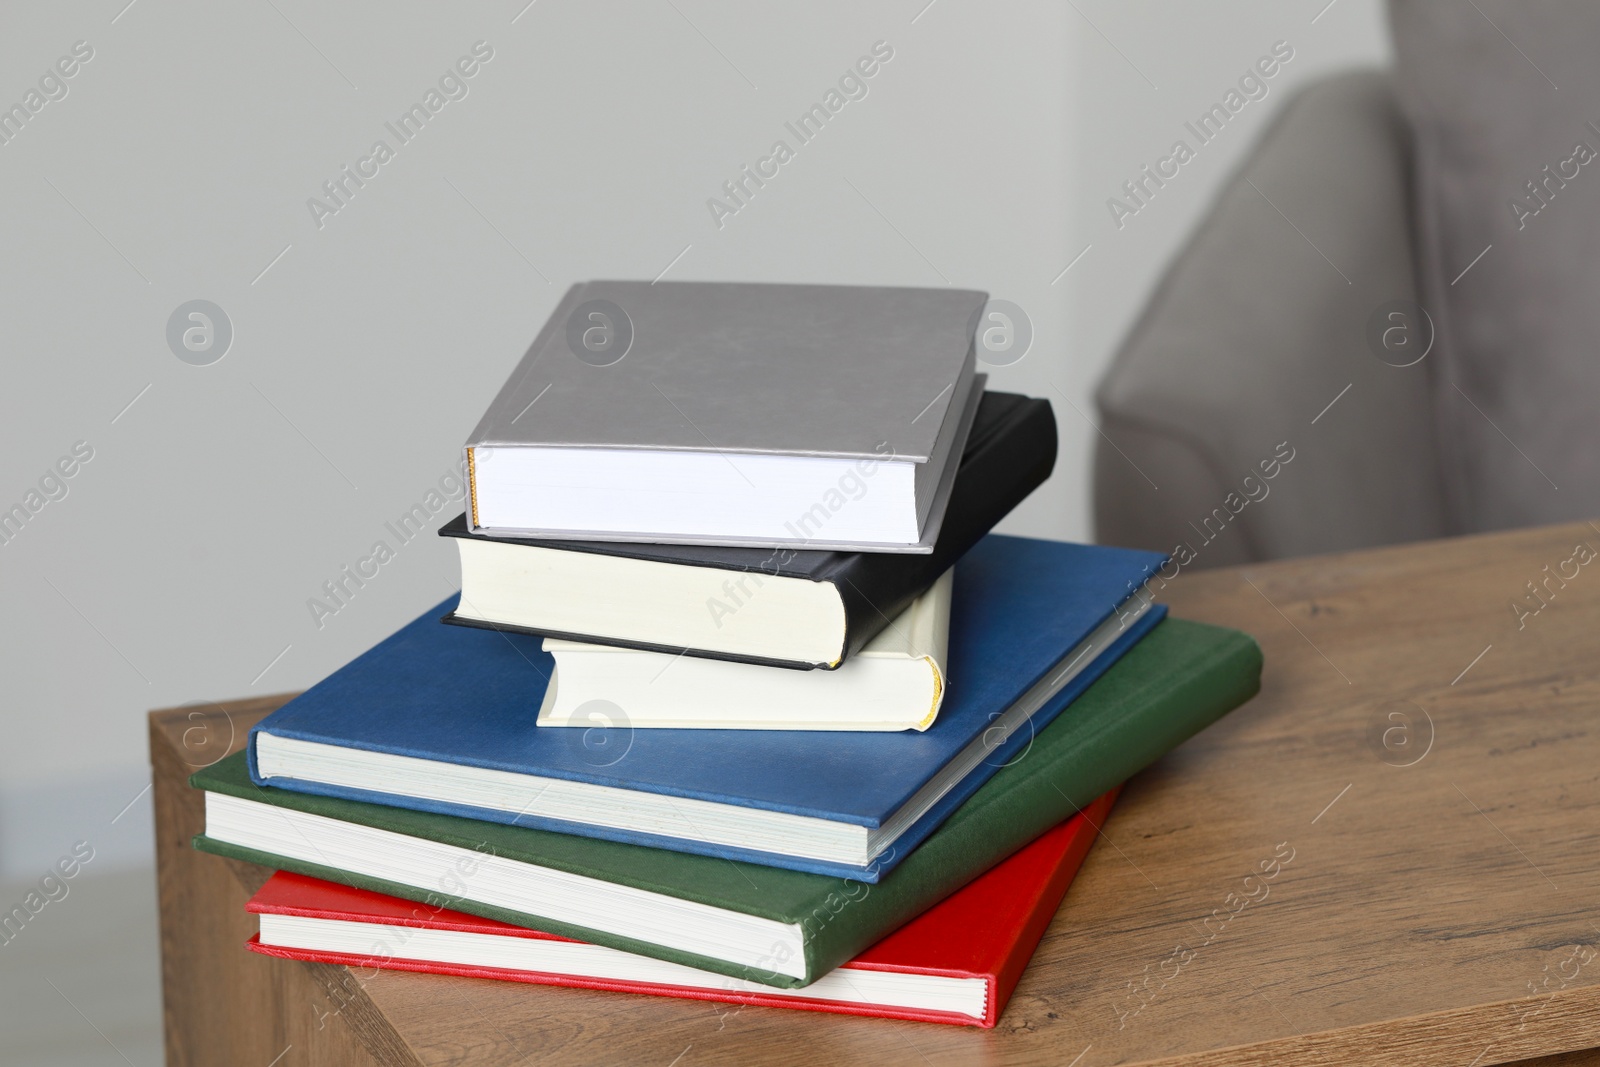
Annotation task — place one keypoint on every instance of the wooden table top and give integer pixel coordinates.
(1422, 762)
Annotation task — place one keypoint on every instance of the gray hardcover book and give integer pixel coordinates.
(737, 414)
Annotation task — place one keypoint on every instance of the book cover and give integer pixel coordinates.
(823, 370)
(1181, 678)
(1010, 451)
(456, 698)
(982, 936)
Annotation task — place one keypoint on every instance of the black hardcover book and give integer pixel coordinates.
(782, 607)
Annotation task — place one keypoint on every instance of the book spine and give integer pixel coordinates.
(994, 479)
(1042, 790)
(495, 425)
(1009, 972)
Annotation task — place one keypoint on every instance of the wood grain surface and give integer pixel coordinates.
(1391, 856)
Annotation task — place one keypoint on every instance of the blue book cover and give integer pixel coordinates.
(469, 697)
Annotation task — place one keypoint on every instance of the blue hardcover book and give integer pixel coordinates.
(441, 718)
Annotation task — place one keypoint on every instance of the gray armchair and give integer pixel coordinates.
(1287, 337)
(1256, 328)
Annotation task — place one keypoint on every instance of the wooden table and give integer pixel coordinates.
(1428, 756)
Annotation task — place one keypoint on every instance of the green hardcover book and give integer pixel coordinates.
(778, 927)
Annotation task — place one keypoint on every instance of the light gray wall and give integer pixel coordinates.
(179, 164)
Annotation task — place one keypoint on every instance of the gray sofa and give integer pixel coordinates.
(1317, 371)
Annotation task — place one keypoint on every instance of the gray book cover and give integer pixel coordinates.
(817, 370)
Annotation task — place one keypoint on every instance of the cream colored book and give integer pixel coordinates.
(897, 682)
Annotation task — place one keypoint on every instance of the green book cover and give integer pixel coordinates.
(1182, 677)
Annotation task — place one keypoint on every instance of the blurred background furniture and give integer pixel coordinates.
(1294, 321)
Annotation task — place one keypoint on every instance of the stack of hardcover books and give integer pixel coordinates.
(740, 699)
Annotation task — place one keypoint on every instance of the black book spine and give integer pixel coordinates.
(994, 478)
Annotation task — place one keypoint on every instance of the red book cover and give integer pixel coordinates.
(956, 963)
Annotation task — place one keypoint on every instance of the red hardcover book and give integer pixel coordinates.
(956, 963)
